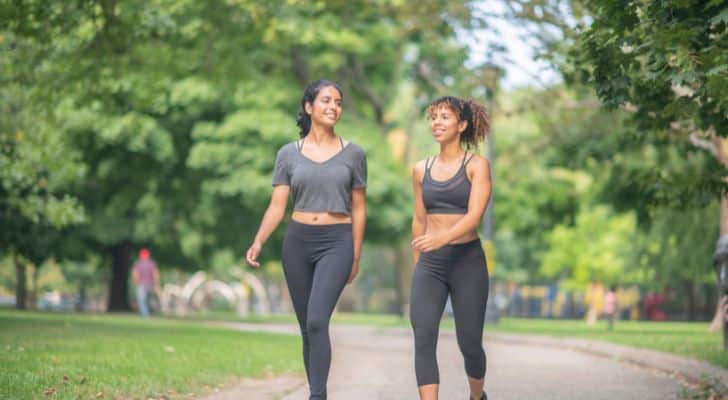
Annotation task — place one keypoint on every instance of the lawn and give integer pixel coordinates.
(67, 356)
(690, 339)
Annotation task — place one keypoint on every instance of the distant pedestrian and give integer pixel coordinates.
(611, 306)
(594, 298)
(146, 278)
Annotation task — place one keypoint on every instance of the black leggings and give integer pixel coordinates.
(459, 270)
(317, 261)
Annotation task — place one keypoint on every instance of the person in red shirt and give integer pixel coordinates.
(146, 278)
(611, 306)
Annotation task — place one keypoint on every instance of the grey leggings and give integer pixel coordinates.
(458, 270)
(317, 261)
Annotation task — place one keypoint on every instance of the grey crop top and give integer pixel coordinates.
(446, 197)
(321, 186)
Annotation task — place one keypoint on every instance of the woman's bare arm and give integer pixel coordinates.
(271, 219)
(358, 223)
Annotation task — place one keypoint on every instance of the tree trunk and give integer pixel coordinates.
(81, 303)
(119, 285)
(718, 147)
(718, 318)
(721, 146)
(21, 292)
(33, 298)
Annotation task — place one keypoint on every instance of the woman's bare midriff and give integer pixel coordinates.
(320, 218)
(439, 223)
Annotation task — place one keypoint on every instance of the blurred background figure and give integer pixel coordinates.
(610, 306)
(593, 298)
(146, 278)
(653, 305)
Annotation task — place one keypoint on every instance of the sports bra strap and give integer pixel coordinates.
(469, 158)
(342, 142)
(428, 164)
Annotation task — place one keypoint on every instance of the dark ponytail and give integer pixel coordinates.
(303, 120)
(466, 110)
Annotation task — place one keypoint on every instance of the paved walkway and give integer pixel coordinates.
(377, 364)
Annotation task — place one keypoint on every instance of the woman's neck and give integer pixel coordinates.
(451, 151)
(319, 134)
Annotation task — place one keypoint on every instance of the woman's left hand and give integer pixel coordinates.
(427, 242)
(354, 272)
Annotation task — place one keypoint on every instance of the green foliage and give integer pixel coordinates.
(668, 61)
(675, 251)
(597, 247)
(709, 388)
(36, 171)
(175, 109)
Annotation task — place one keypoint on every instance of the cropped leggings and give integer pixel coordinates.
(317, 261)
(460, 271)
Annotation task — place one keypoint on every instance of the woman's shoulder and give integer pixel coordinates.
(478, 161)
(419, 167)
(355, 149)
(288, 148)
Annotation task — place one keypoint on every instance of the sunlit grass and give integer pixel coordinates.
(66, 356)
(690, 339)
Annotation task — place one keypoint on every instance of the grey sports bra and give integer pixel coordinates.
(446, 197)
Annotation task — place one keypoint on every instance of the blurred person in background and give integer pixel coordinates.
(146, 278)
(611, 306)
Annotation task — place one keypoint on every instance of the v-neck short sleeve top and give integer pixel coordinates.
(321, 186)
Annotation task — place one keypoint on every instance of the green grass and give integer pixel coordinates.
(111, 356)
(690, 339)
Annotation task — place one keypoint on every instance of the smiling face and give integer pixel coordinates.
(445, 125)
(325, 110)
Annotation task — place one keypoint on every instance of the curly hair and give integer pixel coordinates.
(466, 110)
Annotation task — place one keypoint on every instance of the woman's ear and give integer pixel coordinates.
(462, 126)
(308, 108)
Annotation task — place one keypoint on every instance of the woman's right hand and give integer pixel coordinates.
(251, 257)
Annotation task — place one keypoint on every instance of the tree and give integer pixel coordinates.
(163, 101)
(597, 247)
(667, 63)
(36, 170)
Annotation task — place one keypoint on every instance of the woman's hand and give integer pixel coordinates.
(428, 242)
(251, 257)
(354, 272)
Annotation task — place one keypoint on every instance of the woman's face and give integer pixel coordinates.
(445, 125)
(326, 107)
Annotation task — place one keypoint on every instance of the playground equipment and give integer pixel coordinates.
(198, 291)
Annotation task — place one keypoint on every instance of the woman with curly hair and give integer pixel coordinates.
(452, 190)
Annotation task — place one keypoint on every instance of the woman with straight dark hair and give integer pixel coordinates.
(452, 190)
(326, 178)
